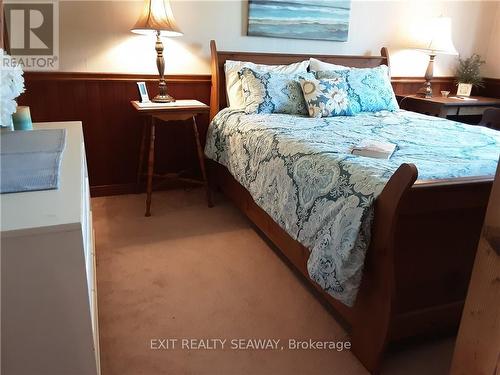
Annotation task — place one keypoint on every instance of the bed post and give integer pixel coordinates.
(373, 311)
(384, 52)
(214, 93)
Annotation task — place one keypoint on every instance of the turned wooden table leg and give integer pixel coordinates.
(201, 160)
(151, 164)
(141, 156)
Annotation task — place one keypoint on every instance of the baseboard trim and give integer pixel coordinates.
(116, 189)
(132, 188)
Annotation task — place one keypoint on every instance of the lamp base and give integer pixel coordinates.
(163, 99)
(162, 96)
(425, 91)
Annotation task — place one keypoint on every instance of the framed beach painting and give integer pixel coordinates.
(299, 19)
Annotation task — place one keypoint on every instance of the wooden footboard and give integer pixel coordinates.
(417, 267)
(436, 238)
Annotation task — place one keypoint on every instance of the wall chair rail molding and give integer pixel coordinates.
(102, 102)
(70, 76)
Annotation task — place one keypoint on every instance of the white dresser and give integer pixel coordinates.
(49, 319)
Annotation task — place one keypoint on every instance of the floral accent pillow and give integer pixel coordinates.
(269, 92)
(326, 97)
(368, 89)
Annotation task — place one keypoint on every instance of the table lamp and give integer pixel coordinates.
(157, 18)
(439, 43)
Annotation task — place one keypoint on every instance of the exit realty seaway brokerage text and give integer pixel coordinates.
(246, 344)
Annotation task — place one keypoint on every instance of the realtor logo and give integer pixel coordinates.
(33, 33)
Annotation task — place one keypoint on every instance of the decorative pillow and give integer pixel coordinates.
(316, 65)
(326, 97)
(273, 92)
(368, 89)
(233, 83)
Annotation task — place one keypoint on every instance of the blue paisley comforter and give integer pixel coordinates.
(299, 170)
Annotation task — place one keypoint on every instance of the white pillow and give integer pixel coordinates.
(316, 65)
(233, 83)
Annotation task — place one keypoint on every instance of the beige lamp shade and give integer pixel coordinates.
(436, 40)
(439, 39)
(157, 16)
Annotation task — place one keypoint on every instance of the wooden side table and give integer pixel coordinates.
(443, 107)
(181, 110)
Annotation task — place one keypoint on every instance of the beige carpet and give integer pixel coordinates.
(189, 272)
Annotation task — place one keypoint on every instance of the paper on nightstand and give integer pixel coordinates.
(177, 103)
(463, 98)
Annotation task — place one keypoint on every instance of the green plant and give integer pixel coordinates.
(468, 70)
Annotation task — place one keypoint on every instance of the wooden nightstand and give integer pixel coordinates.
(181, 110)
(444, 107)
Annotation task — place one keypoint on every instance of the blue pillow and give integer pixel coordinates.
(368, 89)
(326, 97)
(270, 92)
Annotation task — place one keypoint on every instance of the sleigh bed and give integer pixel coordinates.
(423, 237)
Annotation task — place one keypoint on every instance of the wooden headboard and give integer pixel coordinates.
(218, 99)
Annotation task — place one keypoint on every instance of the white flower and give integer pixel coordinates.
(338, 101)
(310, 89)
(11, 86)
(334, 80)
(324, 110)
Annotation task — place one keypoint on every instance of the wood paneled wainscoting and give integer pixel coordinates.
(112, 128)
(410, 85)
(491, 88)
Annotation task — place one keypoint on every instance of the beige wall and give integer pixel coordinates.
(492, 66)
(95, 36)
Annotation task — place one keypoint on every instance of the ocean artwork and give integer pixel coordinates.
(299, 19)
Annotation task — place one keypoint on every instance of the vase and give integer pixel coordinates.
(21, 119)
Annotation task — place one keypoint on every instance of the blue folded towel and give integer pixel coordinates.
(31, 160)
